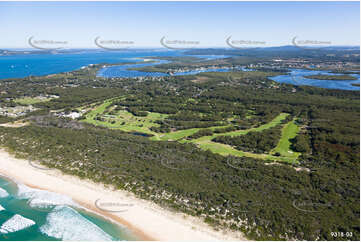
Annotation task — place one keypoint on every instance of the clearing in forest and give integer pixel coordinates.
(289, 132)
(108, 116)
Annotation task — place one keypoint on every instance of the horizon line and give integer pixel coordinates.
(160, 47)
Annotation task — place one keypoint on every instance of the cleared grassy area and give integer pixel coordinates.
(31, 100)
(289, 131)
(226, 150)
(126, 121)
(219, 148)
(180, 134)
(176, 135)
(271, 124)
(98, 110)
(206, 142)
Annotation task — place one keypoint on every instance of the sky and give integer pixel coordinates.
(208, 24)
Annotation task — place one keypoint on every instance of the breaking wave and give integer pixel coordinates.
(43, 199)
(16, 223)
(66, 223)
(3, 193)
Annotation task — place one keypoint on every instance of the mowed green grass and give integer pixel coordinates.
(126, 121)
(176, 135)
(30, 100)
(180, 134)
(206, 143)
(289, 131)
(98, 110)
(226, 150)
(138, 124)
(271, 124)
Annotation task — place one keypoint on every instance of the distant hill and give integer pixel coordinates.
(350, 53)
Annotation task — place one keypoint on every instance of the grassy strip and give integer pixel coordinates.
(127, 122)
(226, 150)
(31, 100)
(139, 124)
(289, 131)
(180, 134)
(271, 124)
(124, 120)
(205, 142)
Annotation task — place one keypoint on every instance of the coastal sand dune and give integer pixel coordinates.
(145, 219)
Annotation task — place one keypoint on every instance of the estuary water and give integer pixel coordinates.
(125, 71)
(297, 77)
(45, 64)
(28, 214)
(17, 66)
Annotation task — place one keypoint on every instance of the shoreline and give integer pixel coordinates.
(93, 209)
(145, 219)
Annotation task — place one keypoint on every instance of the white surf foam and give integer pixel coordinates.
(16, 223)
(2, 208)
(3, 193)
(43, 199)
(66, 223)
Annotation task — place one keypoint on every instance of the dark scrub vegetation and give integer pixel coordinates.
(256, 142)
(264, 200)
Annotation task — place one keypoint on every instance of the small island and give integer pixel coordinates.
(355, 84)
(331, 77)
(346, 72)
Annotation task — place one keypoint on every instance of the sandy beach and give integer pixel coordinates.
(145, 219)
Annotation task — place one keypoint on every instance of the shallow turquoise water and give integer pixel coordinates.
(24, 217)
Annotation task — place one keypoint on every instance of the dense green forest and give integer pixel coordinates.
(266, 200)
(257, 142)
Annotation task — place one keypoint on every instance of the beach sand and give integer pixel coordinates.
(145, 219)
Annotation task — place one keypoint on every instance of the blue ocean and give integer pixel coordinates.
(23, 65)
(28, 214)
(45, 64)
